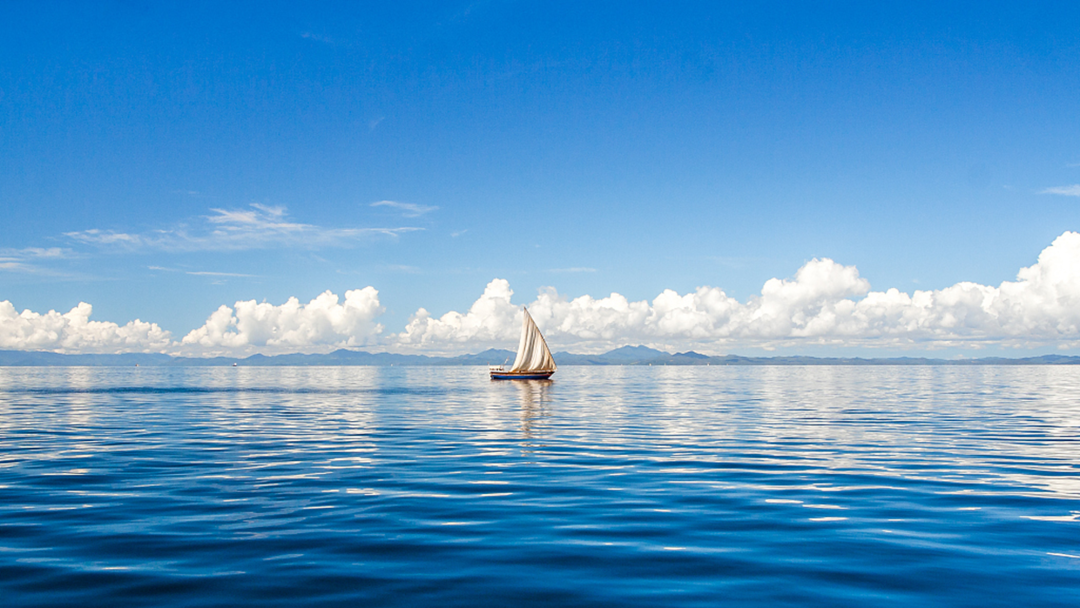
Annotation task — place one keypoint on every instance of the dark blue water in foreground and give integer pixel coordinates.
(629, 486)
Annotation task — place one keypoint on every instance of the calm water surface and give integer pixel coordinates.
(629, 486)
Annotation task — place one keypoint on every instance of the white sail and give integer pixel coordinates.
(533, 354)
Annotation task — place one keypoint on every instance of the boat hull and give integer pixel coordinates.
(499, 375)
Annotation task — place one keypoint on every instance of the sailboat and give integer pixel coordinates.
(533, 361)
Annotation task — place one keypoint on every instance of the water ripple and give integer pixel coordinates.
(809, 486)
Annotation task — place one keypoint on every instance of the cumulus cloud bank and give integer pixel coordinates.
(824, 303)
(322, 323)
(74, 332)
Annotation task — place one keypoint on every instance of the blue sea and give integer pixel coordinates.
(626, 486)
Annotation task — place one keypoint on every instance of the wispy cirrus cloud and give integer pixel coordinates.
(1073, 190)
(207, 273)
(257, 227)
(202, 273)
(407, 209)
(403, 268)
(308, 35)
(29, 259)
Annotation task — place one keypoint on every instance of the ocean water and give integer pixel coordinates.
(628, 486)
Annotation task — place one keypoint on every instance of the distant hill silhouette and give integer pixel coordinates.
(625, 355)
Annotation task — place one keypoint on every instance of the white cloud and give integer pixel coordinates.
(490, 319)
(407, 209)
(202, 273)
(824, 303)
(404, 268)
(317, 38)
(1073, 190)
(43, 253)
(208, 273)
(322, 324)
(74, 332)
(28, 259)
(258, 227)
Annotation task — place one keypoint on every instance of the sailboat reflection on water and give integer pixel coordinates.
(533, 361)
(534, 397)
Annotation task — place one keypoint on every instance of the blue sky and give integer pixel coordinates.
(160, 162)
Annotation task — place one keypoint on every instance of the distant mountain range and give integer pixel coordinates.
(627, 355)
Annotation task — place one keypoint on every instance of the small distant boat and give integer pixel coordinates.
(533, 361)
